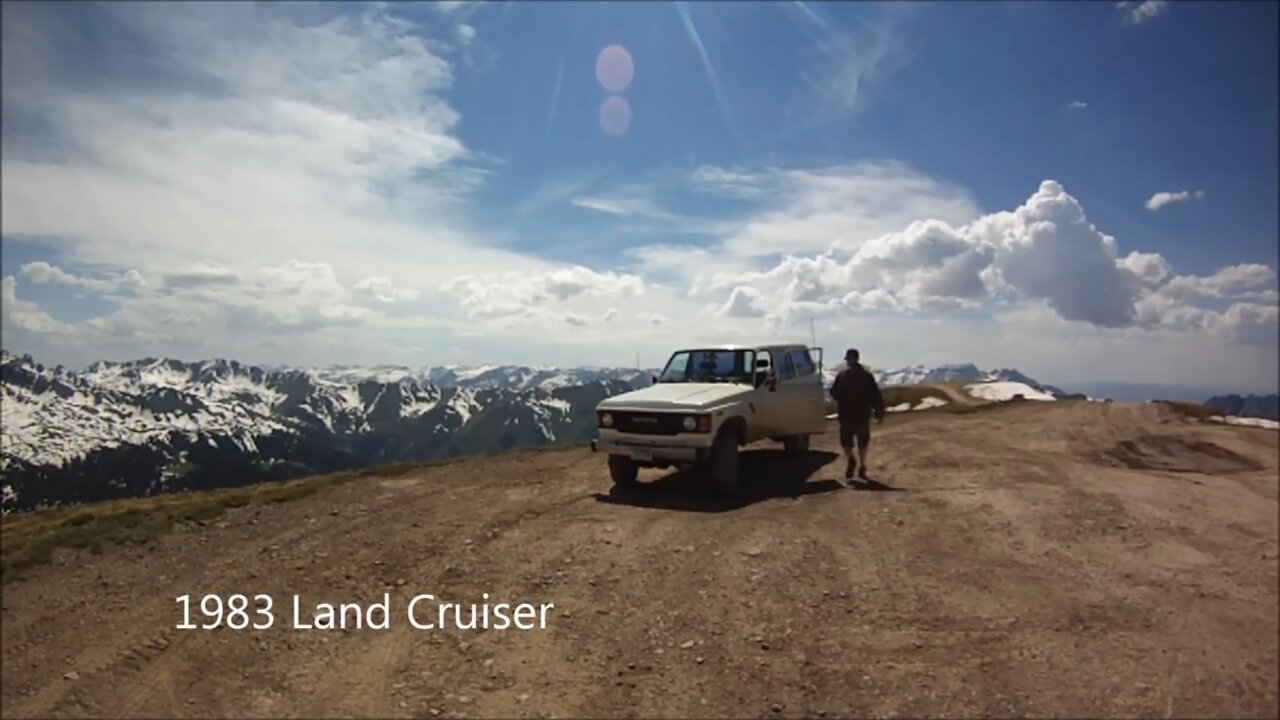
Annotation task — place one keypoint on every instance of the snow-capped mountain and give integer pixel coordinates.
(119, 429)
(921, 374)
(135, 428)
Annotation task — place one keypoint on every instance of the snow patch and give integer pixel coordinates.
(1003, 391)
(1245, 421)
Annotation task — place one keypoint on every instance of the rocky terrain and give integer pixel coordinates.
(1068, 559)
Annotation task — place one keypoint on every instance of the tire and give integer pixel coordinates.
(724, 464)
(622, 471)
(795, 444)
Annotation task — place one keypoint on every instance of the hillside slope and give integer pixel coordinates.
(1069, 559)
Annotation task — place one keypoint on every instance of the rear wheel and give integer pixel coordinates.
(724, 464)
(623, 471)
(795, 444)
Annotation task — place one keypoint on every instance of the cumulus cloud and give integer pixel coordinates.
(1249, 280)
(1045, 252)
(465, 33)
(576, 320)
(1136, 13)
(744, 302)
(610, 315)
(1162, 199)
(41, 272)
(27, 315)
(381, 289)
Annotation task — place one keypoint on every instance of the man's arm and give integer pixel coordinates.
(877, 399)
(836, 388)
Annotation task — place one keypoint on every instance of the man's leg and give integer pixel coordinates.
(864, 447)
(846, 443)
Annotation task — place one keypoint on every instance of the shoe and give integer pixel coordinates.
(862, 475)
(848, 470)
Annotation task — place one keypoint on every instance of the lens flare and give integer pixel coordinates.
(614, 68)
(615, 115)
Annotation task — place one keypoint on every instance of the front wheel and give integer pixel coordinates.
(724, 464)
(623, 471)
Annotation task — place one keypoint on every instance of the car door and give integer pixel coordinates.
(810, 399)
(766, 401)
(790, 394)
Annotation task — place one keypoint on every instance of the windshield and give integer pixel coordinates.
(732, 366)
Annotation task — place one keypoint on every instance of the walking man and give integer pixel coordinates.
(857, 396)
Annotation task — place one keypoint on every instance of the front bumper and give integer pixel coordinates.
(648, 451)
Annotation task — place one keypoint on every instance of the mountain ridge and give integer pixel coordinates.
(160, 424)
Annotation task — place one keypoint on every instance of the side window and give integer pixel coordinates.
(677, 367)
(788, 370)
(803, 362)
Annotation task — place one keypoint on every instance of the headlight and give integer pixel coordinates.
(690, 424)
(606, 420)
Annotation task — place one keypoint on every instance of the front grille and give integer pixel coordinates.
(648, 423)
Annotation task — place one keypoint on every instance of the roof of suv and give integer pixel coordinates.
(773, 345)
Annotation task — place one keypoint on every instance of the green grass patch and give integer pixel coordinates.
(29, 539)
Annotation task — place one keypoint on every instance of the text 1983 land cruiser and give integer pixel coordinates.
(709, 401)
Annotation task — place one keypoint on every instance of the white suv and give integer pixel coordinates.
(709, 401)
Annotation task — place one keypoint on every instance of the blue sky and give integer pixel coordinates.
(1086, 191)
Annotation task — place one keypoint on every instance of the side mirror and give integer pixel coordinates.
(655, 380)
(773, 381)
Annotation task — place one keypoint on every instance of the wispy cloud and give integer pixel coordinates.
(1136, 13)
(1161, 199)
(1077, 105)
(849, 64)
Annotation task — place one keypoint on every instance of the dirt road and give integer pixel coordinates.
(1019, 561)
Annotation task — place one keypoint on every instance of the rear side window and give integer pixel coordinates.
(803, 362)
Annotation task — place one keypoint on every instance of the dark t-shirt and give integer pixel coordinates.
(857, 395)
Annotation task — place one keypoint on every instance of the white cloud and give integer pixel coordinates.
(466, 33)
(1150, 268)
(506, 294)
(1161, 199)
(744, 302)
(576, 320)
(610, 315)
(809, 209)
(27, 315)
(200, 275)
(850, 64)
(1044, 253)
(41, 272)
(632, 203)
(382, 290)
(271, 141)
(1136, 13)
(726, 182)
(1078, 105)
